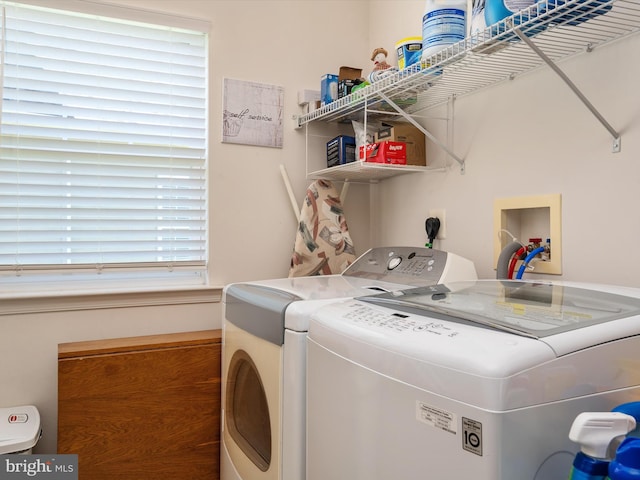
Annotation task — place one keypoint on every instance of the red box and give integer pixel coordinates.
(385, 152)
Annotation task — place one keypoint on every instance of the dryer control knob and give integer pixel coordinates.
(394, 262)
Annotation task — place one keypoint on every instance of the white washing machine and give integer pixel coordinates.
(474, 380)
(264, 353)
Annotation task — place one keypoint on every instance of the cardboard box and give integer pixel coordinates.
(411, 136)
(328, 88)
(341, 150)
(348, 77)
(349, 73)
(384, 152)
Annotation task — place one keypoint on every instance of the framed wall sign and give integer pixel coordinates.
(252, 113)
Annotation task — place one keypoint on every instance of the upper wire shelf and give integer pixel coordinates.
(559, 28)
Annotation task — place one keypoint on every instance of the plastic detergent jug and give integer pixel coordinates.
(633, 409)
(496, 10)
(443, 24)
(626, 465)
(594, 432)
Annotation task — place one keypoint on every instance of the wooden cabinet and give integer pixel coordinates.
(143, 407)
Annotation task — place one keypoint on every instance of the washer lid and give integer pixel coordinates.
(535, 310)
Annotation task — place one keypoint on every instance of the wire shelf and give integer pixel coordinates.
(560, 28)
(365, 172)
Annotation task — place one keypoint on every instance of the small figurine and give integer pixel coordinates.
(381, 68)
(379, 59)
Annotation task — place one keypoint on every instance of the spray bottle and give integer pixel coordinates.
(594, 431)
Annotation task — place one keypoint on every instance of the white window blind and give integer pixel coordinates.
(103, 128)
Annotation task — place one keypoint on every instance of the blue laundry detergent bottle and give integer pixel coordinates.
(594, 432)
(496, 10)
(626, 465)
(633, 409)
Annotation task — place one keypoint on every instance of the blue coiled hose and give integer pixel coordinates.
(529, 257)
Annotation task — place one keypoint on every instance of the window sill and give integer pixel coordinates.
(63, 302)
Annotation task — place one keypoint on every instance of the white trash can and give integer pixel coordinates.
(19, 429)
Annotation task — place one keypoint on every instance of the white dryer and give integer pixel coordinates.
(264, 353)
(474, 380)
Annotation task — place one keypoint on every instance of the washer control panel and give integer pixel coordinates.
(399, 323)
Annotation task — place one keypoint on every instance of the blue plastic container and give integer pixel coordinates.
(626, 465)
(409, 51)
(496, 10)
(633, 409)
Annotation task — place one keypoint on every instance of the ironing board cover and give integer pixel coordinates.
(323, 245)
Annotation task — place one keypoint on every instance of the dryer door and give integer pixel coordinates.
(247, 411)
(251, 405)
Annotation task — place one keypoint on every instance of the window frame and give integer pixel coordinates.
(104, 278)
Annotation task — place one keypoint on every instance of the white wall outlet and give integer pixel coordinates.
(440, 214)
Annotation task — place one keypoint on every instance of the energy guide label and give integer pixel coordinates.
(436, 417)
(472, 436)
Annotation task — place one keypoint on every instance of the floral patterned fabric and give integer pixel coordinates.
(323, 245)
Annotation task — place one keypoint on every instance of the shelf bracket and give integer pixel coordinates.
(614, 133)
(431, 137)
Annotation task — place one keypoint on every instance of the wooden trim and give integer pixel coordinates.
(131, 344)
